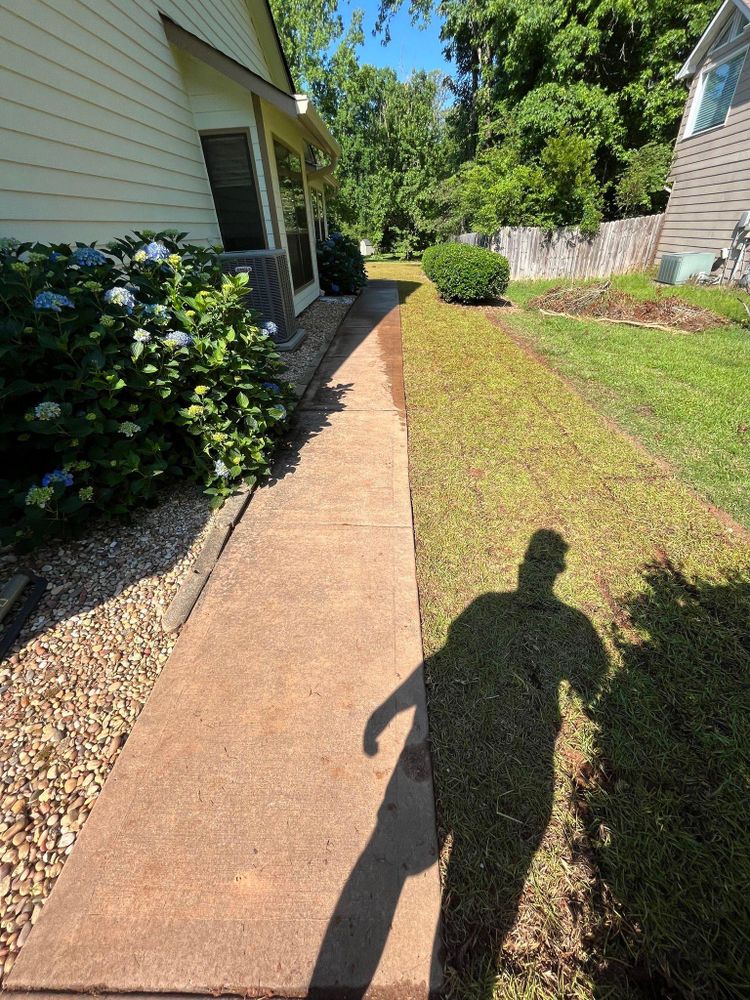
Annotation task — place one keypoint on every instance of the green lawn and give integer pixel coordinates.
(687, 397)
(587, 658)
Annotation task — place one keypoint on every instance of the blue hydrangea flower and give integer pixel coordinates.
(47, 411)
(155, 251)
(178, 338)
(157, 312)
(57, 476)
(141, 336)
(121, 297)
(52, 301)
(220, 469)
(272, 387)
(335, 288)
(88, 257)
(270, 328)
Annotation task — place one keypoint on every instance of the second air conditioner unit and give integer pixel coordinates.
(270, 291)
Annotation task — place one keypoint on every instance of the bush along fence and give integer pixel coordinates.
(616, 248)
(120, 369)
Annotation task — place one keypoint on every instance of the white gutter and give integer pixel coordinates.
(316, 127)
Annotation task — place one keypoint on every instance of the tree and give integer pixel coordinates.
(604, 70)
(640, 188)
(392, 132)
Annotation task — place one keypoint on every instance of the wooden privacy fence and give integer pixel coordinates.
(618, 247)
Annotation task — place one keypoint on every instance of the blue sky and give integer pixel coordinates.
(410, 48)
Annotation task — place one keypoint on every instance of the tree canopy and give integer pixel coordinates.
(558, 112)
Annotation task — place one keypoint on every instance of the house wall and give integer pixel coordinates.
(100, 117)
(218, 105)
(96, 130)
(710, 175)
(277, 126)
(227, 25)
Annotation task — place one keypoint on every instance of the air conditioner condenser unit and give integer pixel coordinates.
(676, 268)
(270, 291)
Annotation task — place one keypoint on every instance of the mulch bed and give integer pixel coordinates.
(605, 302)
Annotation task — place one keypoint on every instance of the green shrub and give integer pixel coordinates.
(120, 369)
(341, 267)
(464, 273)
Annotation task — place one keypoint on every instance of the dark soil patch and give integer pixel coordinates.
(605, 302)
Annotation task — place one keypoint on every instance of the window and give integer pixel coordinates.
(734, 26)
(714, 94)
(230, 174)
(292, 187)
(319, 214)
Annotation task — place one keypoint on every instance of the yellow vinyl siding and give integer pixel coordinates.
(220, 105)
(96, 131)
(225, 24)
(100, 117)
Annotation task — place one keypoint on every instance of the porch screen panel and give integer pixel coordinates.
(291, 185)
(235, 195)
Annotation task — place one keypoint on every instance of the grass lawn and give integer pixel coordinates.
(585, 624)
(686, 396)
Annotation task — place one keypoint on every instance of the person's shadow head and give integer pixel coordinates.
(543, 562)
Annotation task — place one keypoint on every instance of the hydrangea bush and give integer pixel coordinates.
(123, 368)
(341, 267)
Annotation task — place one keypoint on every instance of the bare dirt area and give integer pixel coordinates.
(607, 303)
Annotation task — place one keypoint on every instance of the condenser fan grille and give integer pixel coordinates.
(270, 287)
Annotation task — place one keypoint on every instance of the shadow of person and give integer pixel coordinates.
(494, 706)
(495, 718)
(402, 845)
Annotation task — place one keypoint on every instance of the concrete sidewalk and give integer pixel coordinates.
(269, 828)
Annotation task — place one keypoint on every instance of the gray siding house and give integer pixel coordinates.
(710, 176)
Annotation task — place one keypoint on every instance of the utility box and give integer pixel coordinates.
(676, 268)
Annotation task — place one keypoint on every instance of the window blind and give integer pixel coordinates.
(230, 175)
(716, 94)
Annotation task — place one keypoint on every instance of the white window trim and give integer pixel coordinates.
(701, 86)
(740, 23)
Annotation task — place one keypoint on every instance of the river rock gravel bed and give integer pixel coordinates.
(320, 321)
(73, 685)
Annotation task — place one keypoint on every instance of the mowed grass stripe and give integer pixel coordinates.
(585, 628)
(687, 396)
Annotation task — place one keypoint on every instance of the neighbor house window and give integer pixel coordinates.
(734, 26)
(230, 174)
(292, 188)
(714, 95)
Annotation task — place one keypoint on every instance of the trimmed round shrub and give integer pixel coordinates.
(341, 267)
(122, 368)
(463, 273)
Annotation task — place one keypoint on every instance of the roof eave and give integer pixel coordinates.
(704, 42)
